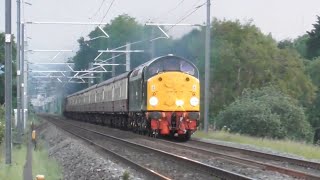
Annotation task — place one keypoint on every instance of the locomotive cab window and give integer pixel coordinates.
(171, 64)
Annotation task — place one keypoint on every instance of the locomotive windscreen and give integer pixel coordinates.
(171, 64)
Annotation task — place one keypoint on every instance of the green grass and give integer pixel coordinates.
(308, 151)
(34, 118)
(126, 175)
(15, 170)
(43, 165)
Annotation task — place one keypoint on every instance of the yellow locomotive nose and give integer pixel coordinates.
(174, 91)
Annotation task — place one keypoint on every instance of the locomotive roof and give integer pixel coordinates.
(160, 58)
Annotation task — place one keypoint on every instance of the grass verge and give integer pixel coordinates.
(308, 151)
(15, 170)
(42, 164)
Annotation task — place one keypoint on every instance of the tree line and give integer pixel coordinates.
(14, 74)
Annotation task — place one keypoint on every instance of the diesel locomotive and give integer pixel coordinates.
(159, 97)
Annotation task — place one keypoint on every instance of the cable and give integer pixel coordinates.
(98, 9)
(107, 12)
(145, 40)
(168, 12)
(188, 15)
(90, 18)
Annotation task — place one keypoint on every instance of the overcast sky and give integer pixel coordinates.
(283, 18)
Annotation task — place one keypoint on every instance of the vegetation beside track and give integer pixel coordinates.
(44, 165)
(15, 170)
(287, 146)
(41, 162)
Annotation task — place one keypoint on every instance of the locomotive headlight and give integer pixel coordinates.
(194, 101)
(179, 102)
(153, 101)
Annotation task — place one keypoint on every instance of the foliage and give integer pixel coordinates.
(313, 71)
(243, 57)
(14, 171)
(121, 30)
(2, 77)
(313, 43)
(299, 44)
(126, 175)
(313, 111)
(266, 112)
(42, 163)
(287, 43)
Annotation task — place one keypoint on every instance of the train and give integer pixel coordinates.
(158, 98)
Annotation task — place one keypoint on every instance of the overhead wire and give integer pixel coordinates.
(102, 3)
(169, 11)
(112, 2)
(90, 18)
(181, 19)
(186, 16)
(107, 12)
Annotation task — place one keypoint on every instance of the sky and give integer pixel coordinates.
(284, 19)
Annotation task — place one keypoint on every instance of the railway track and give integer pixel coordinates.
(242, 157)
(295, 161)
(209, 149)
(146, 171)
(209, 171)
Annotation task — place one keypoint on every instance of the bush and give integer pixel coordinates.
(266, 112)
(2, 123)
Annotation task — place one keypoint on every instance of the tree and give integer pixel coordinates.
(313, 111)
(300, 44)
(243, 57)
(266, 112)
(121, 30)
(2, 78)
(313, 43)
(83, 57)
(287, 43)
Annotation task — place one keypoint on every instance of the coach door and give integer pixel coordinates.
(135, 91)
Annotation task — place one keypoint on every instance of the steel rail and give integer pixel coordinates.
(300, 162)
(148, 172)
(211, 170)
(266, 166)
